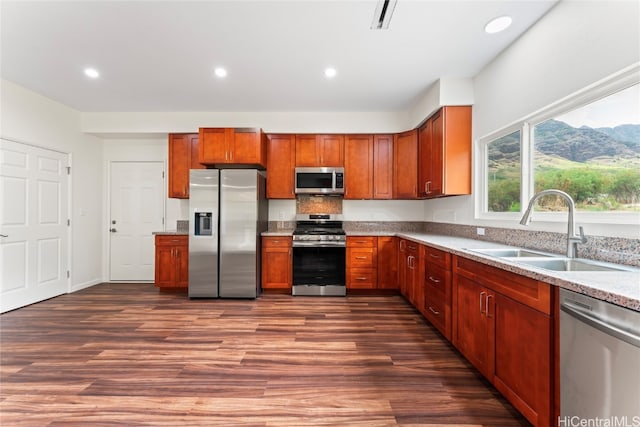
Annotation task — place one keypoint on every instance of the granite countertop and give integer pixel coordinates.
(618, 287)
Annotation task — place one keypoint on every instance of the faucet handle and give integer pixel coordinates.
(583, 238)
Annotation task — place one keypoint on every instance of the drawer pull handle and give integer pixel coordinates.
(361, 257)
(361, 278)
(437, 313)
(433, 279)
(434, 256)
(361, 241)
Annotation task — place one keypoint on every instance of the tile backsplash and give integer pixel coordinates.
(318, 204)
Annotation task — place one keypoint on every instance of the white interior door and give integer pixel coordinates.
(136, 211)
(34, 242)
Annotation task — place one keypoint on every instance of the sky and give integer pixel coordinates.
(620, 108)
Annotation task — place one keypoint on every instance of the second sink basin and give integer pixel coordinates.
(568, 264)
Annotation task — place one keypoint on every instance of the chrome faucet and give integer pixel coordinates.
(572, 238)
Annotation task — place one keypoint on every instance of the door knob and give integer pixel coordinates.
(113, 230)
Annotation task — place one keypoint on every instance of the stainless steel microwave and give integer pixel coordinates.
(320, 180)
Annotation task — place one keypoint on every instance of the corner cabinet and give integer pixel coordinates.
(172, 261)
(405, 165)
(504, 325)
(183, 156)
(444, 146)
(281, 163)
(229, 146)
(277, 266)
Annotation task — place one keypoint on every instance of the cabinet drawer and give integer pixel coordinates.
(436, 308)
(362, 278)
(437, 277)
(361, 258)
(169, 240)
(276, 242)
(362, 242)
(437, 257)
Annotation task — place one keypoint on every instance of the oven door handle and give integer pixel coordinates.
(318, 244)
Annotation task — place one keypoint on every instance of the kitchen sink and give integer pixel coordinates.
(569, 264)
(512, 253)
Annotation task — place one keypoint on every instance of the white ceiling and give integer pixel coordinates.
(159, 56)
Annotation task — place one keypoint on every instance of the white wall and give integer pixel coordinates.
(575, 45)
(28, 117)
(137, 149)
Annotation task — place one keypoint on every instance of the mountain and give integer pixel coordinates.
(627, 134)
(582, 144)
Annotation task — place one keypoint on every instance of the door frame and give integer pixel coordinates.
(69, 234)
(107, 215)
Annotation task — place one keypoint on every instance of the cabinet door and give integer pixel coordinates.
(281, 152)
(195, 154)
(436, 156)
(456, 129)
(387, 263)
(331, 149)
(247, 147)
(358, 167)
(181, 266)
(523, 357)
(382, 168)
(179, 163)
(165, 266)
(472, 333)
(276, 263)
(405, 165)
(307, 153)
(214, 146)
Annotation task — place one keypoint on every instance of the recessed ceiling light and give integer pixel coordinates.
(220, 72)
(330, 72)
(498, 24)
(91, 73)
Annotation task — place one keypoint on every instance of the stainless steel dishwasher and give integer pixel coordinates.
(599, 362)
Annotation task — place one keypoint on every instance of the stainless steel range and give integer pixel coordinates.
(319, 250)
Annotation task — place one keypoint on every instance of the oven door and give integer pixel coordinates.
(319, 265)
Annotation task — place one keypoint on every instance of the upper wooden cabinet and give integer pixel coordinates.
(368, 166)
(405, 165)
(281, 160)
(320, 150)
(444, 145)
(183, 155)
(358, 166)
(228, 146)
(383, 166)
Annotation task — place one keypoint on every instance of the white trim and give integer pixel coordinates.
(618, 81)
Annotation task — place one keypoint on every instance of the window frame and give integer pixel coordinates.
(619, 81)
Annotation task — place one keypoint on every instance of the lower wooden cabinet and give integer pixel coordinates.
(387, 262)
(362, 262)
(172, 261)
(277, 266)
(437, 289)
(503, 324)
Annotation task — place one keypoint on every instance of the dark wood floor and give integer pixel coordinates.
(127, 354)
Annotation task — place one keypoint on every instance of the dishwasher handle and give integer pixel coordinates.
(609, 329)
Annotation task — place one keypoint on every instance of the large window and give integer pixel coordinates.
(588, 147)
(593, 154)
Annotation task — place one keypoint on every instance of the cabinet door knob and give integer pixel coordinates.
(482, 294)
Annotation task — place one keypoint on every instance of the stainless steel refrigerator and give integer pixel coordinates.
(228, 211)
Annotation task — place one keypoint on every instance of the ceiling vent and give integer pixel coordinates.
(382, 15)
